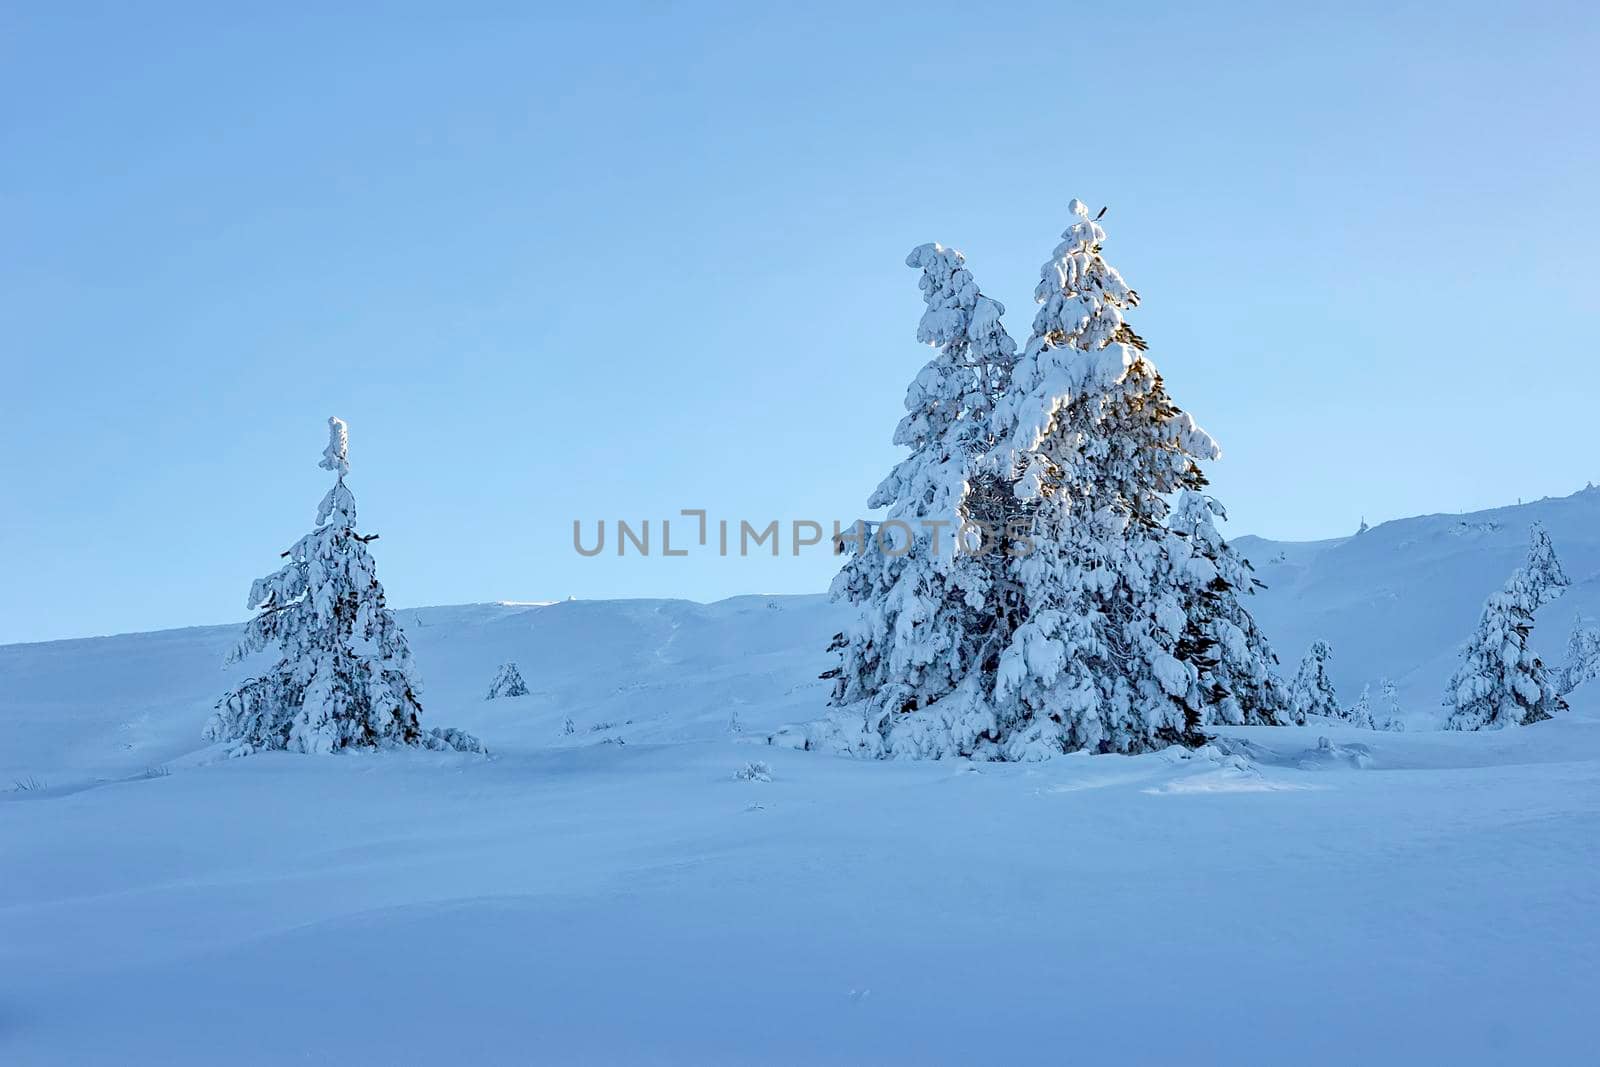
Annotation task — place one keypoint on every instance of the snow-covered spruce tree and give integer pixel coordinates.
(925, 608)
(343, 678)
(1311, 692)
(507, 683)
(1106, 657)
(1238, 676)
(1359, 714)
(1390, 718)
(1500, 682)
(1583, 656)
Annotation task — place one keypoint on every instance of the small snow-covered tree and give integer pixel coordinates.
(1390, 717)
(344, 676)
(1583, 656)
(1500, 682)
(1238, 680)
(1359, 714)
(1311, 692)
(924, 607)
(507, 683)
(1104, 658)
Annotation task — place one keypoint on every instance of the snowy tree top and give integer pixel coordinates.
(338, 503)
(1080, 348)
(947, 288)
(1082, 232)
(1545, 573)
(336, 457)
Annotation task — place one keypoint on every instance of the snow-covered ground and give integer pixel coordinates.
(1393, 898)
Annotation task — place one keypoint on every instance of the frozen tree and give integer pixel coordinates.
(343, 677)
(1583, 656)
(1238, 679)
(1095, 623)
(1311, 693)
(1500, 682)
(924, 607)
(507, 683)
(1105, 657)
(1547, 579)
(1393, 719)
(1359, 714)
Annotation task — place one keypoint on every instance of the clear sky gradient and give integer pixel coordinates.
(607, 261)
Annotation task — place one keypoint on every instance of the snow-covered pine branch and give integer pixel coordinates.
(1238, 676)
(344, 676)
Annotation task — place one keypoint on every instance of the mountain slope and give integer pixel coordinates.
(639, 670)
(1398, 600)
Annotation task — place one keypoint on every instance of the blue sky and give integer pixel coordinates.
(630, 260)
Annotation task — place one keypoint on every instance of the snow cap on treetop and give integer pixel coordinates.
(1083, 230)
(948, 290)
(336, 457)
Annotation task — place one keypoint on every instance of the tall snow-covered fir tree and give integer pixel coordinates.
(1107, 658)
(344, 677)
(1238, 676)
(1311, 692)
(925, 608)
(1095, 623)
(1500, 682)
